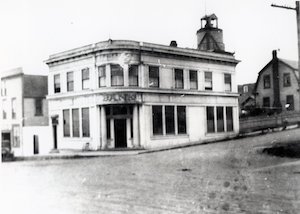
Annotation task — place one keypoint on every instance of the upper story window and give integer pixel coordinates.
(117, 75)
(38, 107)
(193, 79)
(286, 80)
(208, 80)
(102, 76)
(4, 109)
(227, 81)
(56, 83)
(178, 78)
(85, 74)
(13, 108)
(3, 88)
(133, 75)
(267, 81)
(245, 89)
(154, 76)
(70, 81)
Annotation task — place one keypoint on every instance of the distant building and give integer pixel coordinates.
(246, 98)
(277, 87)
(24, 113)
(127, 94)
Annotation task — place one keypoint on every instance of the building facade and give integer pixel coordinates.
(128, 94)
(24, 113)
(277, 87)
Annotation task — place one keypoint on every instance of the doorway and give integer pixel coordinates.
(120, 133)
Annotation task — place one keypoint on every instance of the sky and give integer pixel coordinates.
(31, 30)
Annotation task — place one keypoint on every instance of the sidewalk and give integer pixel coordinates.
(73, 154)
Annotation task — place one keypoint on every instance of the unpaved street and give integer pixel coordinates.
(224, 177)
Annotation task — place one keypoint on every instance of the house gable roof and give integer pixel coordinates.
(289, 63)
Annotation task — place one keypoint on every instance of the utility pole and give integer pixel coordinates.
(297, 10)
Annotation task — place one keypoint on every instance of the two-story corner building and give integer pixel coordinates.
(24, 117)
(128, 94)
(277, 85)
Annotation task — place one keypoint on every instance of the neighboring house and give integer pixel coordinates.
(127, 94)
(246, 98)
(277, 87)
(24, 113)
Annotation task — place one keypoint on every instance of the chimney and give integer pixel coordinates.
(173, 43)
(274, 53)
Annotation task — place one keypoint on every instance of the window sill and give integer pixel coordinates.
(218, 133)
(159, 137)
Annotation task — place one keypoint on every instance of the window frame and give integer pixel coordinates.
(13, 108)
(170, 119)
(208, 78)
(56, 81)
(195, 72)
(228, 81)
(75, 123)
(179, 78)
(154, 76)
(157, 120)
(85, 78)
(267, 81)
(113, 76)
(133, 73)
(101, 75)
(287, 80)
(38, 104)
(85, 130)
(66, 123)
(70, 81)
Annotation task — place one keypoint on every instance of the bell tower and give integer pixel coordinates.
(210, 37)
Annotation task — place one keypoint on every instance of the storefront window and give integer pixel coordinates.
(75, 122)
(181, 119)
(157, 120)
(229, 119)
(85, 122)
(117, 78)
(210, 119)
(220, 119)
(170, 120)
(66, 118)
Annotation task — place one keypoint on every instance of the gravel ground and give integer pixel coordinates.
(225, 177)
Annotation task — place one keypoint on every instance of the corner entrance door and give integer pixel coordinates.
(120, 133)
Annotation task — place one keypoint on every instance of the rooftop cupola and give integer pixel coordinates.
(210, 37)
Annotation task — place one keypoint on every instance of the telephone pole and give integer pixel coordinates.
(297, 10)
